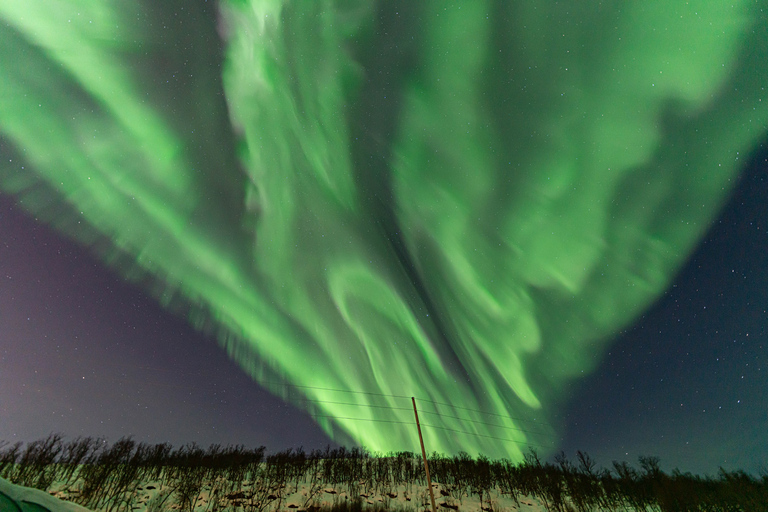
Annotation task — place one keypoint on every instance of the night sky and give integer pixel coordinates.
(84, 351)
(687, 382)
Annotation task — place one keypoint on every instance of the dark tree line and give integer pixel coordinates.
(110, 477)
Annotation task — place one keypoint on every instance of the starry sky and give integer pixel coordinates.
(83, 351)
(687, 382)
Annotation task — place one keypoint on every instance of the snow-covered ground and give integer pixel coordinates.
(152, 496)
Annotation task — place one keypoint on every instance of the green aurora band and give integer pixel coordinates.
(459, 201)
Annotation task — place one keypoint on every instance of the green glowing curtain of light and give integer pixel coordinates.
(552, 166)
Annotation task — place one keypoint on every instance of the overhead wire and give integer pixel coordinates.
(431, 426)
(359, 405)
(483, 435)
(407, 397)
(361, 419)
(333, 389)
(472, 410)
(483, 423)
(441, 415)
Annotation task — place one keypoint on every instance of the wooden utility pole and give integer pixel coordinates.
(424, 455)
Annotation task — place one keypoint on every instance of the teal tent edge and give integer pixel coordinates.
(28, 506)
(8, 504)
(17, 498)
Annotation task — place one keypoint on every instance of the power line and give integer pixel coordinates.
(483, 435)
(432, 426)
(362, 419)
(425, 412)
(336, 390)
(482, 422)
(392, 408)
(407, 408)
(359, 405)
(472, 410)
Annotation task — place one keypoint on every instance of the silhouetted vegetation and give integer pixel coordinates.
(234, 478)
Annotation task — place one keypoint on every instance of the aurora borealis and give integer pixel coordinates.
(456, 201)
